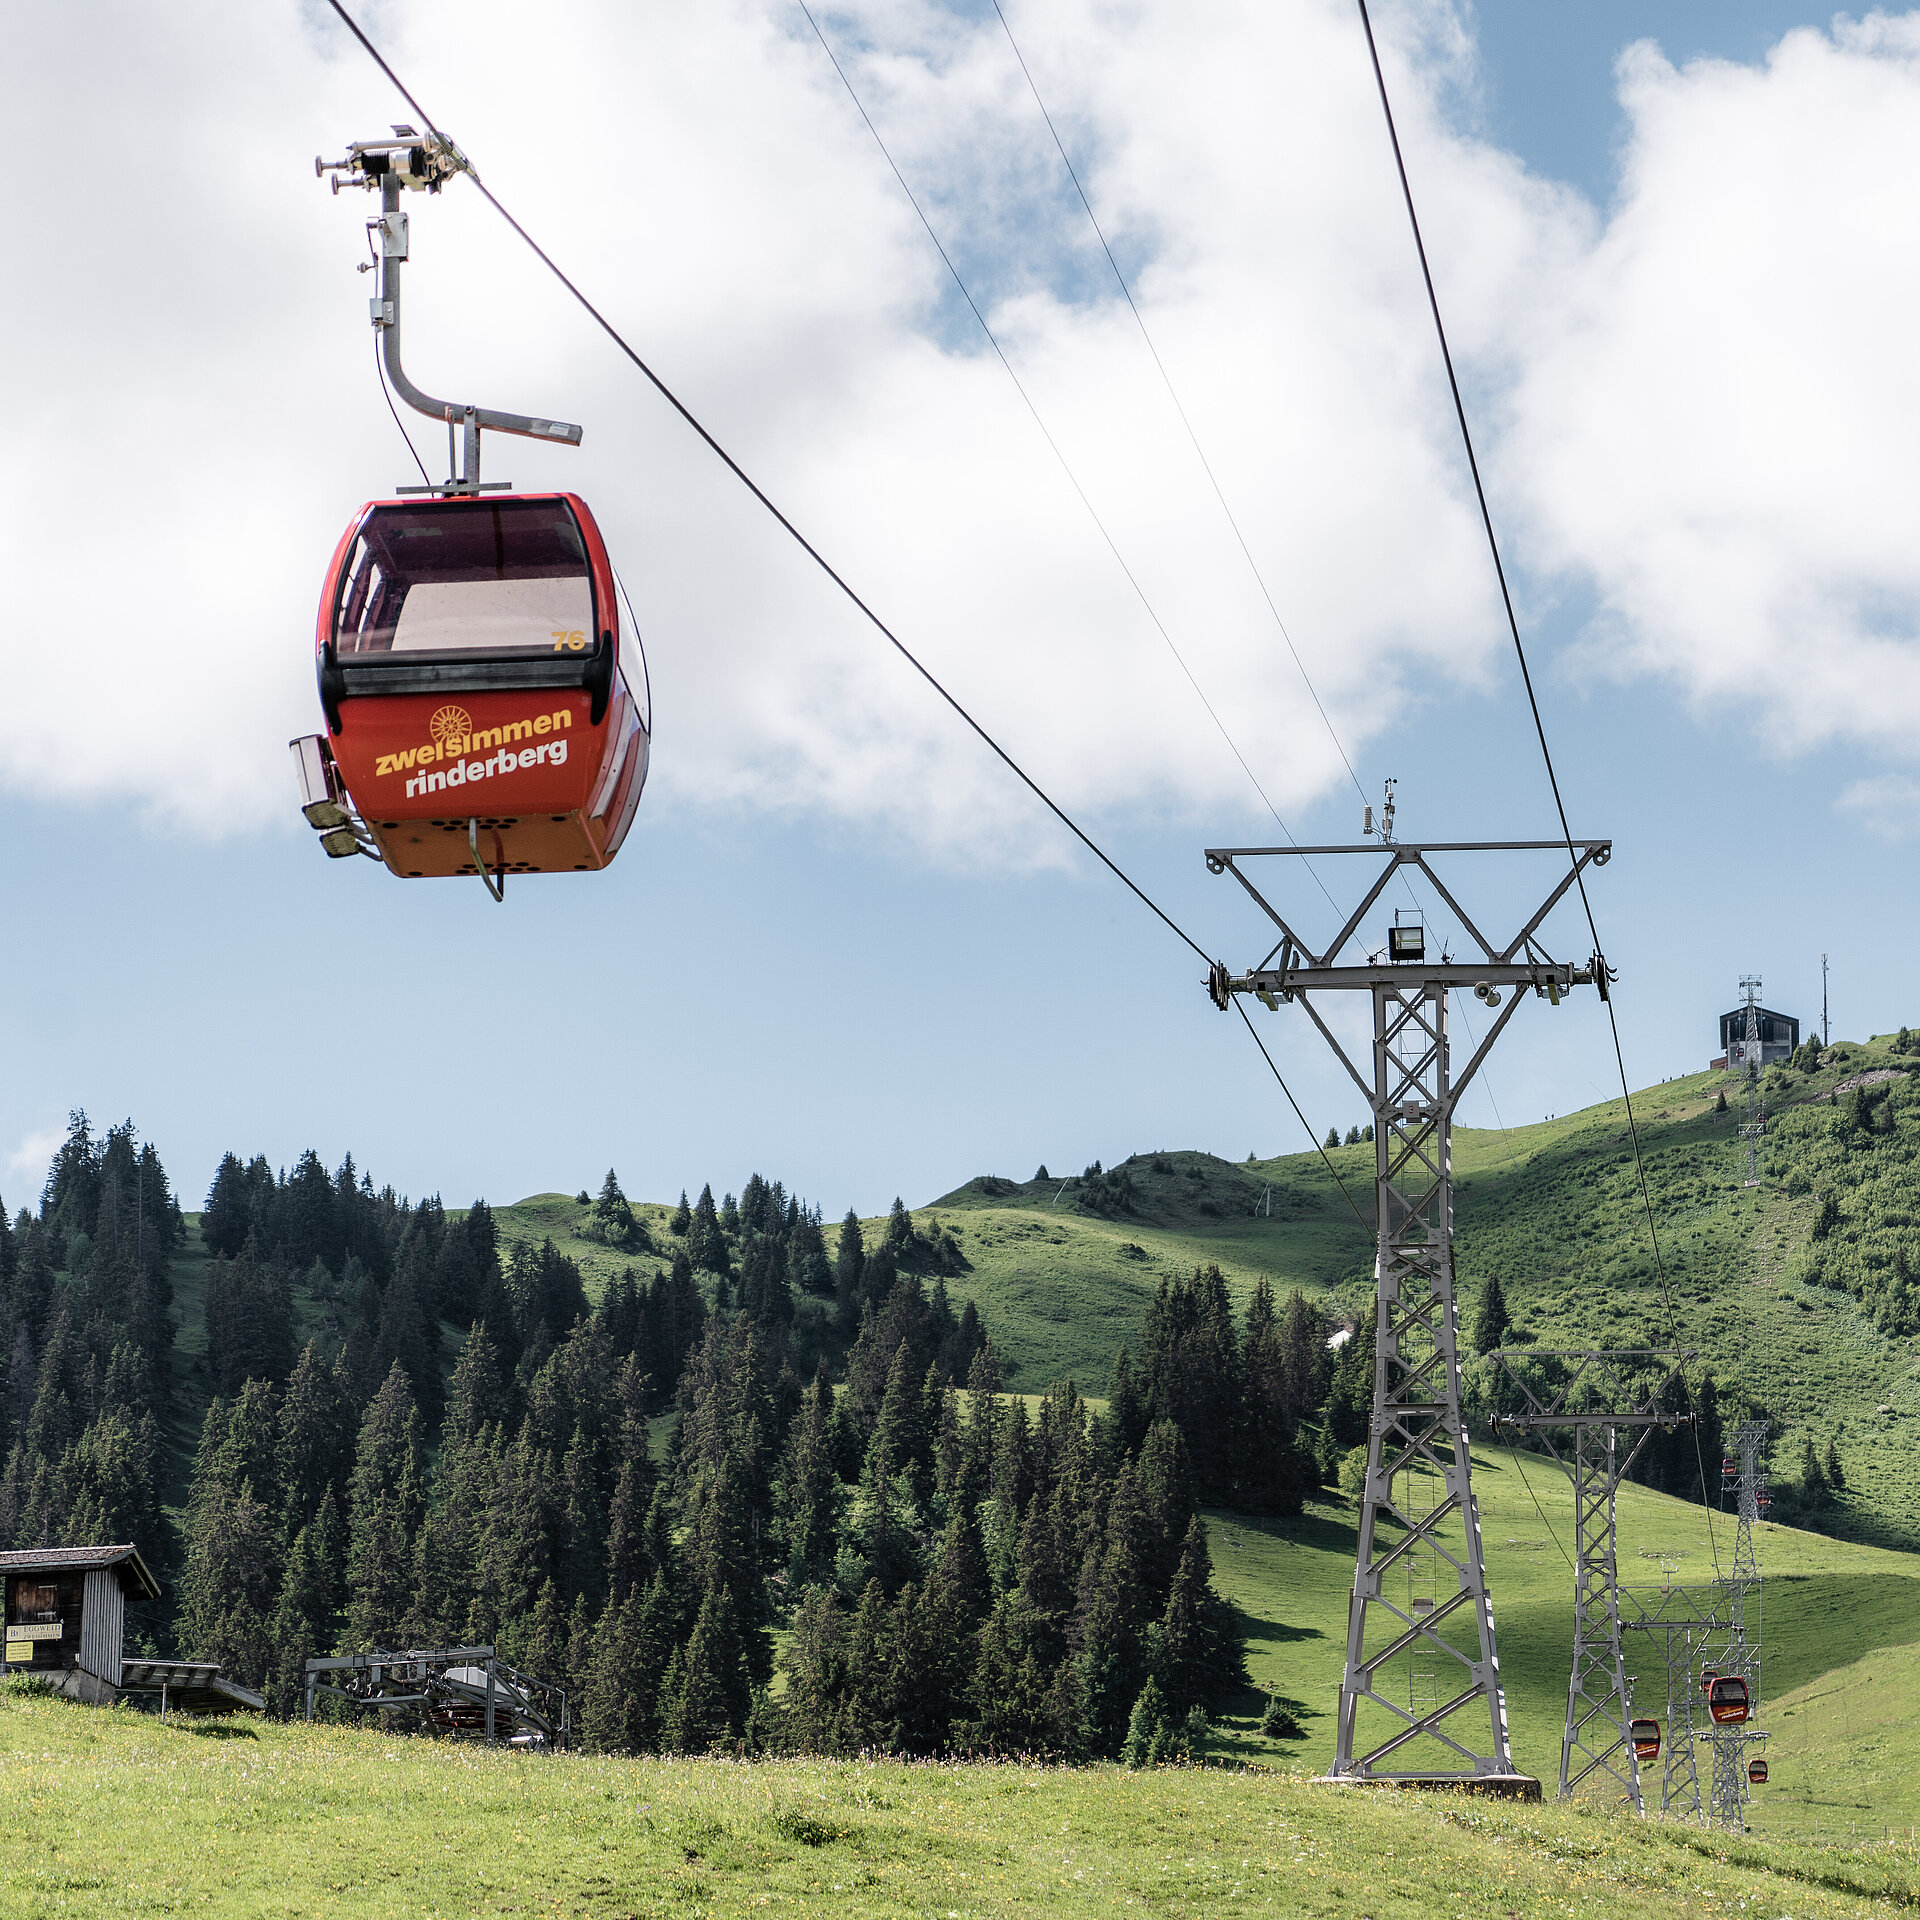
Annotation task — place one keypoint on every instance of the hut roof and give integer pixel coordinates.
(133, 1570)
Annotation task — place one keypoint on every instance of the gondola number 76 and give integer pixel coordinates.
(574, 642)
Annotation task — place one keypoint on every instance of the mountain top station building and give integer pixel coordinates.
(1779, 1035)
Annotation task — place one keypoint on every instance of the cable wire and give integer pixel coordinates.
(746, 480)
(1167, 379)
(813, 553)
(1046, 433)
(1539, 726)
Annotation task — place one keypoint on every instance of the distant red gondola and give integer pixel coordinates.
(1757, 1772)
(1728, 1700)
(1646, 1739)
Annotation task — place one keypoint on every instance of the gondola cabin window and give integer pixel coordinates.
(494, 576)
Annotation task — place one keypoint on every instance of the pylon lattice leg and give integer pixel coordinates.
(1597, 1740)
(1419, 1523)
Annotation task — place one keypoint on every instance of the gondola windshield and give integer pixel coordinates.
(473, 576)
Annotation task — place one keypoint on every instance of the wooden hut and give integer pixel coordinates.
(66, 1614)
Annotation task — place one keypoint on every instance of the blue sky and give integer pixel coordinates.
(857, 997)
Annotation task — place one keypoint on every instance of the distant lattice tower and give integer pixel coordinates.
(1756, 1121)
(1742, 1656)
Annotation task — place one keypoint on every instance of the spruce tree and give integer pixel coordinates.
(1491, 1320)
(1125, 1406)
(612, 1222)
(810, 1489)
(1304, 1365)
(223, 1224)
(385, 1506)
(1813, 1482)
(1197, 1653)
(1836, 1477)
(302, 1618)
(1146, 1739)
(706, 1243)
(849, 1270)
(313, 1438)
(710, 1700)
(682, 1218)
(614, 1694)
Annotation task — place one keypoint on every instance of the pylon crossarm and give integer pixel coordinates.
(1346, 933)
(1595, 853)
(1227, 865)
(1460, 912)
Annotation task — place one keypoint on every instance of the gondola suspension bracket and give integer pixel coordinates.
(411, 162)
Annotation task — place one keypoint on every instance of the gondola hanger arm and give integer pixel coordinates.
(424, 165)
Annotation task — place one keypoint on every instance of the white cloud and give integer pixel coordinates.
(32, 1157)
(206, 418)
(1700, 407)
(1887, 805)
(1714, 416)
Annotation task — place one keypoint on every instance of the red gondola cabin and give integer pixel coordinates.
(1757, 1772)
(1646, 1739)
(1727, 1699)
(474, 677)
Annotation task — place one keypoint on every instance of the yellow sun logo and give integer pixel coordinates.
(450, 723)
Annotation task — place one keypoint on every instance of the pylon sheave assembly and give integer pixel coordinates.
(1421, 1699)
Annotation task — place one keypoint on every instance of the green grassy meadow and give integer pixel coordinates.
(110, 1811)
(1833, 1612)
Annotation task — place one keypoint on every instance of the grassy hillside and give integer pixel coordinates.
(1832, 1611)
(1797, 1292)
(115, 1812)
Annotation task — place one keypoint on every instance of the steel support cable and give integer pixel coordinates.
(1046, 433)
(746, 480)
(813, 553)
(1539, 725)
(1200, 453)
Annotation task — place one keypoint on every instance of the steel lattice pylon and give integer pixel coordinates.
(1742, 1650)
(1420, 1602)
(1684, 1622)
(1755, 1125)
(1593, 1397)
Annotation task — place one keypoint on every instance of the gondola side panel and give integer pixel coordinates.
(505, 753)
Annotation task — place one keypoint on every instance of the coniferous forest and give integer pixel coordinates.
(767, 1492)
